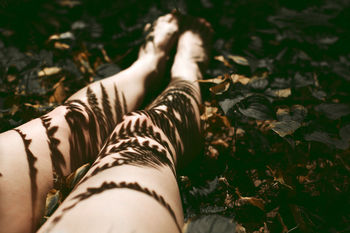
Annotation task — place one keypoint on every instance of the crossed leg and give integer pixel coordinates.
(132, 185)
(73, 133)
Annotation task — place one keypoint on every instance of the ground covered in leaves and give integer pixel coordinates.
(276, 114)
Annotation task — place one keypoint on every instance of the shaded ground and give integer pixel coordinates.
(276, 112)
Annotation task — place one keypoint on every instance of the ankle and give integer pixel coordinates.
(186, 68)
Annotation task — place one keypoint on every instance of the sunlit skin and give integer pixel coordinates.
(125, 197)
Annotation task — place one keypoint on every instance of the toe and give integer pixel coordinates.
(168, 17)
(147, 27)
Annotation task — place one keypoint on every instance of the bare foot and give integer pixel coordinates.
(161, 37)
(192, 54)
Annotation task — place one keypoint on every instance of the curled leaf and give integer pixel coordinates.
(61, 46)
(48, 71)
(223, 60)
(53, 200)
(257, 202)
(219, 79)
(75, 177)
(220, 88)
(239, 60)
(59, 94)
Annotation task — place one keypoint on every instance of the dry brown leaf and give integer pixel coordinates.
(11, 78)
(220, 142)
(60, 93)
(283, 93)
(225, 120)
(105, 55)
(48, 71)
(265, 125)
(220, 88)
(54, 37)
(240, 78)
(255, 202)
(53, 199)
(223, 60)
(14, 109)
(208, 112)
(252, 200)
(240, 228)
(65, 35)
(217, 80)
(32, 105)
(283, 111)
(213, 152)
(77, 175)
(83, 59)
(278, 177)
(61, 46)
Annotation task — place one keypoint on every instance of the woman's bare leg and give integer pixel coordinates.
(132, 185)
(73, 133)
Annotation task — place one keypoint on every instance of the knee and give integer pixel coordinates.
(136, 123)
(140, 126)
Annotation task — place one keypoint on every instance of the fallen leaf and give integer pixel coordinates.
(258, 83)
(75, 177)
(284, 128)
(53, 199)
(62, 36)
(240, 78)
(83, 59)
(333, 111)
(208, 112)
(295, 113)
(223, 60)
(239, 60)
(48, 71)
(14, 109)
(61, 46)
(219, 79)
(11, 78)
(252, 200)
(278, 177)
(220, 142)
(256, 107)
(283, 93)
(240, 229)
(59, 95)
(105, 55)
(325, 138)
(255, 202)
(225, 121)
(220, 88)
(213, 153)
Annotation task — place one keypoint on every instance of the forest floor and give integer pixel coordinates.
(276, 111)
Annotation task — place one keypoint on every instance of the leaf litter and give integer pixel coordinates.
(276, 101)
